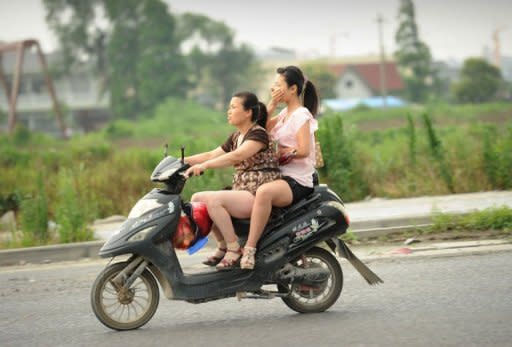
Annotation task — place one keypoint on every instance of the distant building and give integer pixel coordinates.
(506, 68)
(277, 53)
(271, 59)
(84, 109)
(363, 80)
(358, 77)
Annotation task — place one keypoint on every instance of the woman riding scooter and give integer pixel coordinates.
(249, 151)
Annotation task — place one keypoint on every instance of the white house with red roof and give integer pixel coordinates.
(363, 80)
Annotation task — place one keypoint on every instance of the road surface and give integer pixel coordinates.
(456, 301)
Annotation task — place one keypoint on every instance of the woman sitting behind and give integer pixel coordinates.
(249, 151)
(293, 130)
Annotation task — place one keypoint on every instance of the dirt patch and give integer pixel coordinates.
(496, 118)
(381, 124)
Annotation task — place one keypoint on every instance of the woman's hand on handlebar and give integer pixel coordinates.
(195, 170)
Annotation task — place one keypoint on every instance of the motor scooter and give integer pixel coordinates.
(295, 256)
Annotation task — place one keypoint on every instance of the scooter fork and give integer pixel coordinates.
(122, 280)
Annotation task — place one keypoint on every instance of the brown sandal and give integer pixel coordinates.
(214, 259)
(248, 259)
(230, 262)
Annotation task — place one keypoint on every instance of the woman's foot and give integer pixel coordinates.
(231, 259)
(248, 259)
(216, 257)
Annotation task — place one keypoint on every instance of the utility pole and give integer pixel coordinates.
(383, 84)
(497, 46)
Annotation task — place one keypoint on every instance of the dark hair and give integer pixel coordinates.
(251, 102)
(293, 75)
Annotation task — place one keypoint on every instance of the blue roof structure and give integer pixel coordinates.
(373, 102)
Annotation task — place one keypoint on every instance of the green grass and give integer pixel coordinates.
(495, 218)
(108, 171)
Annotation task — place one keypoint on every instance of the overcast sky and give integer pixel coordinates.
(453, 29)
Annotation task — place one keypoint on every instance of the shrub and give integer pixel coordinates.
(34, 216)
(438, 153)
(73, 210)
(342, 168)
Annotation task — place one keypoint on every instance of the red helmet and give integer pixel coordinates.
(200, 216)
(194, 223)
(185, 235)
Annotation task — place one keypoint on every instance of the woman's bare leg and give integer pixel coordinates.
(214, 258)
(276, 193)
(223, 205)
(203, 197)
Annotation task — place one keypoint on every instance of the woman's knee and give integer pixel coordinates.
(197, 197)
(277, 193)
(212, 200)
(265, 192)
(200, 197)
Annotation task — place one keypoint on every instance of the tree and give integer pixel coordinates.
(137, 51)
(324, 80)
(81, 38)
(413, 56)
(479, 81)
(146, 63)
(218, 66)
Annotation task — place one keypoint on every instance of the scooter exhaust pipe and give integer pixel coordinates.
(312, 276)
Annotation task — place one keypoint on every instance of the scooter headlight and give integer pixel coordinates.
(141, 235)
(143, 206)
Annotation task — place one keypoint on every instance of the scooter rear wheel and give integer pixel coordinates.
(121, 309)
(305, 299)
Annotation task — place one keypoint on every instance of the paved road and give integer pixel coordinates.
(457, 301)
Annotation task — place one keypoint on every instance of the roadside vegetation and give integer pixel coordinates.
(495, 222)
(393, 153)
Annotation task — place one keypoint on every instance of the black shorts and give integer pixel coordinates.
(299, 191)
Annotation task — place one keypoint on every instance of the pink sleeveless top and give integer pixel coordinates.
(285, 134)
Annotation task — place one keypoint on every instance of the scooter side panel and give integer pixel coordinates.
(297, 236)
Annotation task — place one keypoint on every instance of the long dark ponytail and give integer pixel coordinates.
(305, 88)
(251, 102)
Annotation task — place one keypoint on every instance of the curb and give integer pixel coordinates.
(376, 232)
(52, 253)
(384, 223)
(76, 251)
(453, 249)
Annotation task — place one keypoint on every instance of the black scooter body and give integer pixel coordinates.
(289, 234)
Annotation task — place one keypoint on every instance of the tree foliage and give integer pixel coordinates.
(81, 37)
(218, 66)
(146, 64)
(479, 81)
(413, 55)
(136, 48)
(324, 80)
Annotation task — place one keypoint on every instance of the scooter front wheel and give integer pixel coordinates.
(308, 299)
(122, 308)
